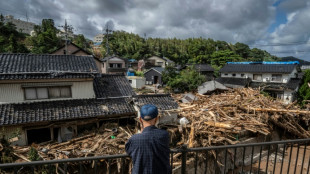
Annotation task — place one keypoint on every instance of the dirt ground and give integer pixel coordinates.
(288, 165)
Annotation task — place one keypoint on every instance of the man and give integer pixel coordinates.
(149, 149)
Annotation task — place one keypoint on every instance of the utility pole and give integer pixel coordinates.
(66, 28)
(107, 30)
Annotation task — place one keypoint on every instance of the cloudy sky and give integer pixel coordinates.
(282, 27)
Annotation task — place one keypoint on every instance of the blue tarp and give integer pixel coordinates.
(286, 63)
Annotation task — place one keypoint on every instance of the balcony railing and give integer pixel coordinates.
(291, 156)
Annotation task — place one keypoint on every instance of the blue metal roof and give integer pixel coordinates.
(263, 62)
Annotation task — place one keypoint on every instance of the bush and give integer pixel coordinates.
(33, 155)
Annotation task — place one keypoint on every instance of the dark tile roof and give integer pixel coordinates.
(162, 101)
(111, 57)
(109, 85)
(48, 111)
(233, 81)
(158, 69)
(257, 68)
(30, 66)
(292, 84)
(203, 67)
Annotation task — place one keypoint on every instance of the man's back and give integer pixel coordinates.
(150, 151)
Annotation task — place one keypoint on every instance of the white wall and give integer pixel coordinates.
(265, 76)
(12, 93)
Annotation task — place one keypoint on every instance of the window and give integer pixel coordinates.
(130, 81)
(35, 93)
(226, 74)
(276, 77)
(160, 63)
(257, 77)
(233, 75)
(242, 75)
(115, 65)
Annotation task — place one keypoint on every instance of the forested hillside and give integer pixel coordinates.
(191, 50)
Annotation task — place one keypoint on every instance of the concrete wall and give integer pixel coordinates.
(136, 82)
(113, 60)
(12, 93)
(10, 132)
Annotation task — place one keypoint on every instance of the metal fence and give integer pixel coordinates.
(291, 156)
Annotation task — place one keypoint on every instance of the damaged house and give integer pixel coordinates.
(52, 97)
(278, 79)
(57, 97)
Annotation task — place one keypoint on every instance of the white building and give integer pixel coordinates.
(98, 38)
(21, 26)
(279, 79)
(136, 81)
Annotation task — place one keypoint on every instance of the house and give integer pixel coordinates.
(73, 49)
(53, 97)
(279, 79)
(158, 61)
(154, 76)
(136, 81)
(114, 65)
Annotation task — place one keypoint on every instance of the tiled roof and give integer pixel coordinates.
(203, 67)
(109, 85)
(30, 66)
(110, 57)
(162, 101)
(293, 83)
(233, 81)
(158, 69)
(258, 68)
(47, 111)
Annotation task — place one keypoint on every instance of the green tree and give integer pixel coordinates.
(169, 74)
(304, 90)
(242, 49)
(188, 80)
(11, 41)
(45, 39)
(81, 41)
(220, 58)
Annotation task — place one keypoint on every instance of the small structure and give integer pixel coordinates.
(115, 65)
(211, 86)
(98, 38)
(136, 81)
(158, 61)
(154, 76)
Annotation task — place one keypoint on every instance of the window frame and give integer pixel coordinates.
(261, 77)
(274, 77)
(48, 92)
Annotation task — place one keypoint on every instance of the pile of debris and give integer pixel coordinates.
(100, 143)
(210, 120)
(222, 118)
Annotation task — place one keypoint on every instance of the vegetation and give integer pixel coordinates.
(304, 90)
(45, 39)
(33, 154)
(182, 51)
(187, 80)
(11, 41)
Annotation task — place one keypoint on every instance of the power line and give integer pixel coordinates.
(283, 44)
